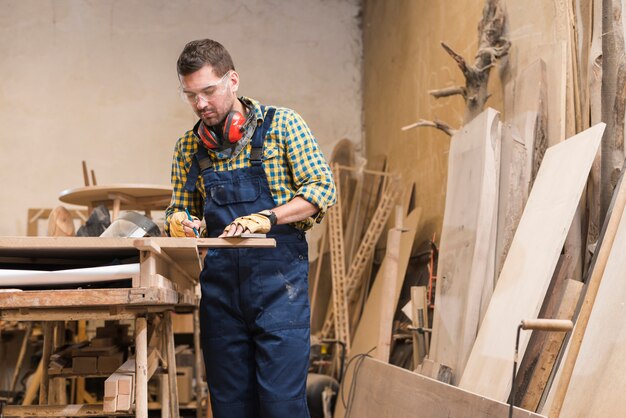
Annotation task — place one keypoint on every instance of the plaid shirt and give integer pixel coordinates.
(292, 161)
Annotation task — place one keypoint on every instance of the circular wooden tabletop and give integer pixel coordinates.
(140, 195)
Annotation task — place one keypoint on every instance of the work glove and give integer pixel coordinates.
(260, 222)
(176, 224)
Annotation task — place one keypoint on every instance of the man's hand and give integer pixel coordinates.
(254, 222)
(181, 226)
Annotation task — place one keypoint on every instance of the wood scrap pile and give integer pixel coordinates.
(103, 354)
(533, 227)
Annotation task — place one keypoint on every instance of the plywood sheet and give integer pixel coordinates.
(366, 336)
(467, 251)
(597, 384)
(530, 263)
(407, 394)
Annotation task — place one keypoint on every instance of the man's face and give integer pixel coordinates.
(210, 96)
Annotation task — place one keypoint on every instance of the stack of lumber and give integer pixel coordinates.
(523, 283)
(529, 231)
(119, 387)
(103, 354)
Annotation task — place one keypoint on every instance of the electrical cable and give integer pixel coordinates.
(359, 358)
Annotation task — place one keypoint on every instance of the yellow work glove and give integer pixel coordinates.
(255, 222)
(176, 224)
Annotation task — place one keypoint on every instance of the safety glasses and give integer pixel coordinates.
(207, 93)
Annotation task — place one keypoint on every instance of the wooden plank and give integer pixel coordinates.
(530, 263)
(595, 111)
(602, 256)
(524, 142)
(366, 336)
(467, 252)
(552, 346)
(50, 247)
(389, 297)
(554, 295)
(548, 345)
(408, 394)
(141, 368)
(419, 319)
(58, 411)
(599, 368)
(171, 366)
(515, 179)
(38, 299)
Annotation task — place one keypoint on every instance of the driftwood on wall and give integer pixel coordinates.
(492, 45)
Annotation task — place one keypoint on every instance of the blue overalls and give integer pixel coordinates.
(254, 310)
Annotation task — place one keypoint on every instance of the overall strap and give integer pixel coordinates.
(256, 153)
(201, 162)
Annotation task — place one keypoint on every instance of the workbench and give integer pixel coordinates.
(169, 270)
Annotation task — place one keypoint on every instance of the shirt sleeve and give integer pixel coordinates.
(181, 198)
(312, 176)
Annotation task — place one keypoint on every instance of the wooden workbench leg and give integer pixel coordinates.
(20, 357)
(171, 364)
(48, 328)
(197, 350)
(141, 367)
(59, 384)
(165, 396)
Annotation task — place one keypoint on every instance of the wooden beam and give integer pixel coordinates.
(59, 411)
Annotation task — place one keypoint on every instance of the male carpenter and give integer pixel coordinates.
(246, 167)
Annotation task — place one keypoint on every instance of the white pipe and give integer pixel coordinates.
(26, 278)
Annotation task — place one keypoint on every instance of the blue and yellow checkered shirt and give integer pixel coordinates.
(293, 164)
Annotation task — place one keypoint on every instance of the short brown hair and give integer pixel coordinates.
(197, 54)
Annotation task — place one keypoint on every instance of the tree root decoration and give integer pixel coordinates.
(442, 126)
(492, 46)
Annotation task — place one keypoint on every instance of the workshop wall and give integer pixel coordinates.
(96, 81)
(402, 61)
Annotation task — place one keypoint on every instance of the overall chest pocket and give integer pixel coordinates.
(237, 191)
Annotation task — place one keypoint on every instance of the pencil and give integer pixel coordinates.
(195, 230)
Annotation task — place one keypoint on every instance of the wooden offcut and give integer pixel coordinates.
(530, 263)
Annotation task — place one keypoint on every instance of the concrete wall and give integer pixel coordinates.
(96, 81)
(402, 60)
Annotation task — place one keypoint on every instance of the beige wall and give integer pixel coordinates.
(403, 59)
(96, 81)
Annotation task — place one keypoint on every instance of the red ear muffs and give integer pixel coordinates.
(233, 126)
(232, 130)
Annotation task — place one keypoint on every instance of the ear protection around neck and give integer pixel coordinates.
(231, 130)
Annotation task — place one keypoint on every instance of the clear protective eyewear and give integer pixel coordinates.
(206, 93)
